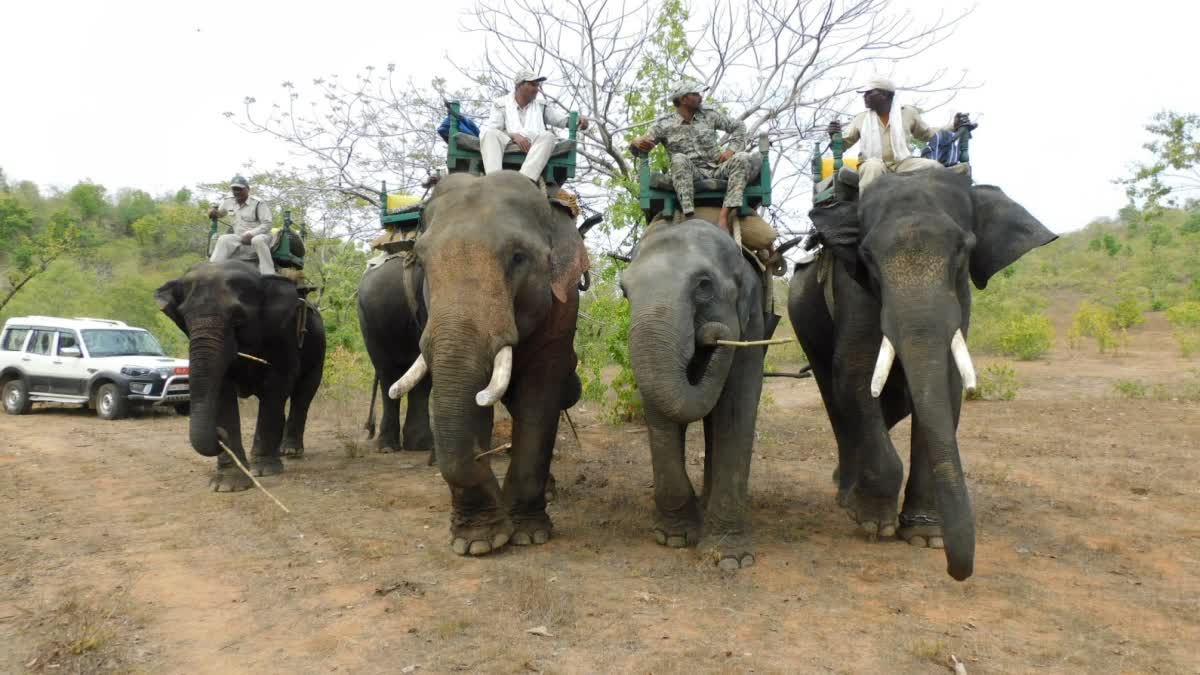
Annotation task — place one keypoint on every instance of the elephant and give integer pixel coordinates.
(391, 315)
(249, 335)
(883, 315)
(688, 286)
(502, 273)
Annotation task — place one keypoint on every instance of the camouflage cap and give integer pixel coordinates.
(239, 181)
(681, 88)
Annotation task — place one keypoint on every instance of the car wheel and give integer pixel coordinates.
(184, 409)
(16, 398)
(110, 405)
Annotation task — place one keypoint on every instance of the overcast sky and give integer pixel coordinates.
(130, 94)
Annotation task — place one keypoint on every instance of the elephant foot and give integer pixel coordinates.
(531, 530)
(292, 450)
(678, 531)
(266, 466)
(730, 552)
(876, 516)
(230, 479)
(922, 530)
(480, 539)
(383, 446)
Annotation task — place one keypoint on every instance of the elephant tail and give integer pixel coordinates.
(370, 425)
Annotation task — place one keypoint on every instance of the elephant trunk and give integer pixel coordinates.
(461, 359)
(207, 363)
(935, 385)
(679, 369)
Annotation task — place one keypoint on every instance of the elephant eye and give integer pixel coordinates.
(704, 288)
(518, 258)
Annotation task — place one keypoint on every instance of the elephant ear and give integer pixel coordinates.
(1004, 231)
(169, 296)
(278, 309)
(840, 229)
(568, 256)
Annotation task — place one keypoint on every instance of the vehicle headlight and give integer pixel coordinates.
(135, 371)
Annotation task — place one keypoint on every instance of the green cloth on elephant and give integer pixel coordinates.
(694, 148)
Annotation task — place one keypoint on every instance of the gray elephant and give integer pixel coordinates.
(502, 270)
(391, 315)
(883, 316)
(249, 335)
(688, 286)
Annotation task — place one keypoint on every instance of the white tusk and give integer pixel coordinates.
(883, 366)
(410, 379)
(501, 374)
(962, 357)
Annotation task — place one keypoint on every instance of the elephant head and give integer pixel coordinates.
(502, 269)
(687, 287)
(914, 241)
(225, 309)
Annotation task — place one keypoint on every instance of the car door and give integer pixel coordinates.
(70, 377)
(37, 360)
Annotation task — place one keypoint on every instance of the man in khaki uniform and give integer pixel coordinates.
(885, 145)
(251, 221)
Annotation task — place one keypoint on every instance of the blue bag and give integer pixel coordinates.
(943, 147)
(465, 126)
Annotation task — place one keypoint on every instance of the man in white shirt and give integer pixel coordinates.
(522, 119)
(251, 221)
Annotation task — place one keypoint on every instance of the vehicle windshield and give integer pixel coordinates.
(121, 343)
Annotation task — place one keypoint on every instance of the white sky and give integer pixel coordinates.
(130, 94)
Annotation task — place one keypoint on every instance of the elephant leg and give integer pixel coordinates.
(729, 431)
(479, 522)
(268, 434)
(921, 520)
(874, 492)
(677, 521)
(297, 415)
(228, 477)
(418, 436)
(388, 438)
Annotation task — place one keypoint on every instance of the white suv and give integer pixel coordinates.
(107, 364)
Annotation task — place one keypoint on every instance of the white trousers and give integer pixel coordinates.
(491, 146)
(228, 244)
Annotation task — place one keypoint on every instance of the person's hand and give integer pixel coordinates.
(583, 123)
(643, 143)
(247, 237)
(213, 213)
(522, 142)
(724, 156)
(835, 127)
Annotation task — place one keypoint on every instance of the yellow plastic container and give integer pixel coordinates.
(827, 165)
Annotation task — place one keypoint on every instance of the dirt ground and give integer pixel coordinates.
(115, 557)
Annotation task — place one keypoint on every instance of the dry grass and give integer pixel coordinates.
(80, 634)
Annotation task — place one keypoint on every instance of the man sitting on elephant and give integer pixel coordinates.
(522, 119)
(251, 226)
(885, 146)
(690, 136)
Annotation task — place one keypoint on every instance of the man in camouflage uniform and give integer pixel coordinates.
(690, 136)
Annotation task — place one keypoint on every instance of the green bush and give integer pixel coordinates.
(1097, 322)
(602, 340)
(997, 382)
(1130, 388)
(1128, 312)
(1185, 319)
(1026, 337)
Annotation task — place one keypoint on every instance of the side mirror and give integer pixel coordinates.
(71, 351)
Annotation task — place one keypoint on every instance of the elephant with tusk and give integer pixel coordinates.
(883, 315)
(502, 269)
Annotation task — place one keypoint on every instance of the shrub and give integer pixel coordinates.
(1026, 337)
(1128, 312)
(1098, 322)
(1185, 319)
(1130, 388)
(997, 382)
